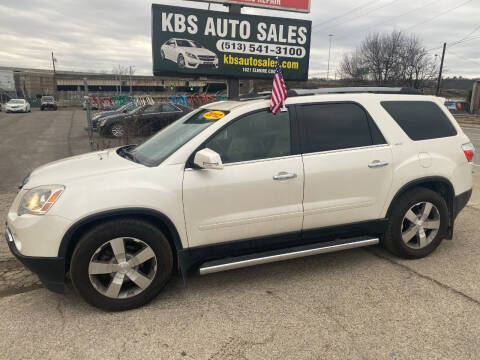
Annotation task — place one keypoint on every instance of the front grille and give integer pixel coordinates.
(207, 66)
(206, 57)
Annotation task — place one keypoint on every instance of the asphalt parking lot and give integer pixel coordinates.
(357, 304)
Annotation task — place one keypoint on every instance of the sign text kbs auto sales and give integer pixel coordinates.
(199, 42)
(288, 5)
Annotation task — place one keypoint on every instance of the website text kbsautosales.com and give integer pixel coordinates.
(255, 62)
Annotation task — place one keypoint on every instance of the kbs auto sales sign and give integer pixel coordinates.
(287, 5)
(210, 43)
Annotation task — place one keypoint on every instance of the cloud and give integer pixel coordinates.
(97, 35)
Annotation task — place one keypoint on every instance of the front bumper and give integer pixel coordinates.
(15, 109)
(196, 63)
(50, 270)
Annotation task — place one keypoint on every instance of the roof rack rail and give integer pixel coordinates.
(339, 90)
(254, 95)
(350, 90)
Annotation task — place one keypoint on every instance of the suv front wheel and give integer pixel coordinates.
(418, 223)
(121, 264)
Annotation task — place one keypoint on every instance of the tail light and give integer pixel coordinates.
(469, 151)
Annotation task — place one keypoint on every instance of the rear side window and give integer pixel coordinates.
(421, 120)
(327, 127)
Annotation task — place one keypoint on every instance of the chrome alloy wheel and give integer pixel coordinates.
(420, 225)
(118, 130)
(122, 267)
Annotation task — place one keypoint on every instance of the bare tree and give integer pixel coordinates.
(351, 67)
(119, 71)
(389, 59)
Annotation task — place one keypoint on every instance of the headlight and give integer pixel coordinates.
(102, 122)
(189, 54)
(39, 200)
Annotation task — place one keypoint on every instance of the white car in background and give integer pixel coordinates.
(17, 105)
(188, 54)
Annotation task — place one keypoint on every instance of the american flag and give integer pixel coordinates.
(279, 91)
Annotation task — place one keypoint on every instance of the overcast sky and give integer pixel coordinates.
(97, 35)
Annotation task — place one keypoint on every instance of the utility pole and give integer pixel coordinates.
(329, 49)
(233, 85)
(89, 115)
(441, 69)
(54, 77)
(130, 80)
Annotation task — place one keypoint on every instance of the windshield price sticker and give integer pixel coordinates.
(198, 42)
(214, 115)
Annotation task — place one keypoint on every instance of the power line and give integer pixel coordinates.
(438, 15)
(458, 42)
(359, 15)
(346, 13)
(393, 18)
(464, 58)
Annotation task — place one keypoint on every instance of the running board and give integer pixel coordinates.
(215, 266)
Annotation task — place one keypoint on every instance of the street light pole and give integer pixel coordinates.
(329, 50)
(233, 84)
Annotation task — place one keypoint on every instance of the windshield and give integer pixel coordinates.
(120, 107)
(184, 43)
(167, 141)
(47, 98)
(136, 110)
(16, 101)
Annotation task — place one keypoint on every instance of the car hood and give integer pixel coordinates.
(114, 117)
(76, 168)
(107, 113)
(198, 51)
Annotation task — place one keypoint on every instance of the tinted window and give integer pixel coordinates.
(169, 108)
(420, 120)
(184, 43)
(152, 109)
(333, 126)
(261, 135)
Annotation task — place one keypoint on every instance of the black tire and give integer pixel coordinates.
(181, 61)
(41, 108)
(393, 240)
(99, 235)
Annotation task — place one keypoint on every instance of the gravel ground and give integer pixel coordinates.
(357, 304)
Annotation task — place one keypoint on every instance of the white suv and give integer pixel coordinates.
(231, 185)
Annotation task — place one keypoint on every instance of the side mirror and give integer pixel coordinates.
(208, 159)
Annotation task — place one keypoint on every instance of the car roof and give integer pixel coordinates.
(229, 105)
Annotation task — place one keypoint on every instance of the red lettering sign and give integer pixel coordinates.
(287, 5)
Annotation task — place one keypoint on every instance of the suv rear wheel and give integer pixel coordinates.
(418, 223)
(121, 264)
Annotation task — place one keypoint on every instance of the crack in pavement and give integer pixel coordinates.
(426, 277)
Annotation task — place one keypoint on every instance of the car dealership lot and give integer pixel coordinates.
(353, 304)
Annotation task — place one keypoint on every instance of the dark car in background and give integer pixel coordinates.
(48, 102)
(144, 120)
(122, 109)
(93, 105)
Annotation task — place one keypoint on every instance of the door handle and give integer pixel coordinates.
(377, 164)
(284, 176)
